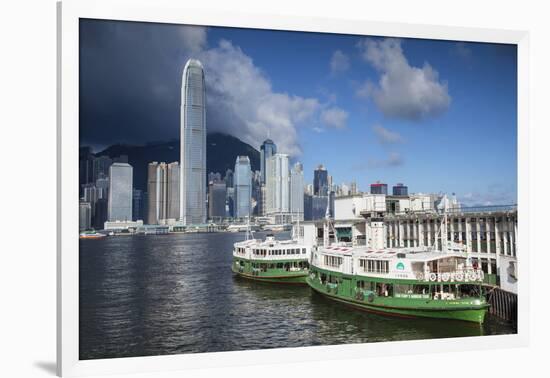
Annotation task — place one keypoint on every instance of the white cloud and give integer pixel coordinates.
(318, 129)
(242, 102)
(403, 91)
(334, 117)
(493, 195)
(194, 38)
(386, 136)
(339, 62)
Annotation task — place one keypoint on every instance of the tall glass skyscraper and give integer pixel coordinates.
(320, 181)
(243, 187)
(120, 192)
(278, 187)
(163, 181)
(193, 144)
(267, 150)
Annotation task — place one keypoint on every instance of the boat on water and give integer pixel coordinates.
(272, 260)
(277, 227)
(91, 235)
(242, 228)
(406, 282)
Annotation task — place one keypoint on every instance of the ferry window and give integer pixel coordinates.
(378, 266)
(334, 261)
(303, 250)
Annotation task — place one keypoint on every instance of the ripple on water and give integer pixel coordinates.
(171, 294)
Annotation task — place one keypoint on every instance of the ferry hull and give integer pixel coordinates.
(475, 314)
(294, 279)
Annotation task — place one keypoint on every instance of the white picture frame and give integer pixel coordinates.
(68, 363)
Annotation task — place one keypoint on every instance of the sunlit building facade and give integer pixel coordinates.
(193, 145)
(243, 187)
(120, 192)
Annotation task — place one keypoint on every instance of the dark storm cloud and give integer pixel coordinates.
(130, 79)
(130, 88)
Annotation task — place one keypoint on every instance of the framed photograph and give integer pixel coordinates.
(269, 188)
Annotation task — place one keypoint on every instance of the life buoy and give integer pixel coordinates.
(459, 277)
(433, 276)
(445, 277)
(419, 276)
(370, 297)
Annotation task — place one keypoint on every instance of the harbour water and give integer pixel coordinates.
(170, 294)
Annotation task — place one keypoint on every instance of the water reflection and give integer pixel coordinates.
(166, 294)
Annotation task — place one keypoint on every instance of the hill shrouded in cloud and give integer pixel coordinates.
(221, 152)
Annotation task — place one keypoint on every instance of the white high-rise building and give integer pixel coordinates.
(243, 187)
(120, 192)
(297, 192)
(193, 144)
(278, 188)
(163, 182)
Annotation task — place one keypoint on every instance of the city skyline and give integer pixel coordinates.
(455, 110)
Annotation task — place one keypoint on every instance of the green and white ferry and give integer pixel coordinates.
(406, 282)
(271, 260)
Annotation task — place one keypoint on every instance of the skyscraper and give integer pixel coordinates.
(84, 215)
(378, 188)
(228, 178)
(193, 144)
(278, 188)
(120, 192)
(320, 181)
(243, 187)
(297, 192)
(353, 188)
(216, 199)
(138, 198)
(400, 190)
(91, 195)
(102, 185)
(267, 149)
(257, 192)
(173, 191)
(101, 166)
(163, 187)
(214, 177)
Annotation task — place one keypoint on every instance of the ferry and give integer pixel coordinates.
(277, 227)
(91, 235)
(271, 260)
(406, 282)
(242, 228)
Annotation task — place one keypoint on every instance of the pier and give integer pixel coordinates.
(503, 304)
(488, 233)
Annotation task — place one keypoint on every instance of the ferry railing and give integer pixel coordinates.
(459, 210)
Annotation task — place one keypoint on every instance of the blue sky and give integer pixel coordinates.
(470, 148)
(435, 115)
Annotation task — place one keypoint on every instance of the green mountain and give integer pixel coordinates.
(221, 152)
